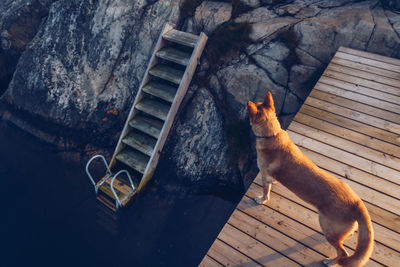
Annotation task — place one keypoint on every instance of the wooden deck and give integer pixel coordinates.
(349, 126)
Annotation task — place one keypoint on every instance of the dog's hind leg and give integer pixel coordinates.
(336, 232)
(267, 184)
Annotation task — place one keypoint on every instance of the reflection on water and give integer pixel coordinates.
(50, 217)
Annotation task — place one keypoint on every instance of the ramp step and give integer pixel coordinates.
(106, 189)
(147, 125)
(182, 38)
(106, 202)
(174, 55)
(154, 108)
(140, 141)
(134, 159)
(160, 90)
(167, 73)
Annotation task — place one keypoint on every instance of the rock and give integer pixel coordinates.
(19, 22)
(299, 76)
(268, 30)
(251, 3)
(209, 15)
(262, 14)
(199, 144)
(84, 67)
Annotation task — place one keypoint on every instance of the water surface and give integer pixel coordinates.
(49, 214)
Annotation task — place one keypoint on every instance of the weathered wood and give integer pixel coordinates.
(268, 235)
(133, 159)
(183, 38)
(334, 96)
(362, 128)
(361, 81)
(174, 55)
(364, 67)
(146, 77)
(348, 134)
(147, 125)
(365, 75)
(258, 251)
(355, 115)
(209, 262)
(377, 61)
(310, 218)
(228, 256)
(350, 127)
(140, 141)
(167, 73)
(346, 145)
(153, 107)
(160, 90)
(343, 156)
(187, 77)
(362, 94)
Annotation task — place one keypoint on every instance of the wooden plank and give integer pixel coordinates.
(228, 256)
(390, 127)
(256, 250)
(183, 38)
(187, 77)
(154, 108)
(382, 234)
(361, 82)
(369, 58)
(146, 77)
(378, 215)
(349, 146)
(332, 95)
(209, 262)
(167, 73)
(267, 235)
(160, 90)
(140, 141)
(174, 55)
(365, 75)
(147, 125)
(342, 132)
(286, 225)
(133, 159)
(361, 93)
(345, 170)
(308, 217)
(372, 132)
(364, 67)
(345, 157)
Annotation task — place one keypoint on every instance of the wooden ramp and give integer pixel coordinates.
(350, 127)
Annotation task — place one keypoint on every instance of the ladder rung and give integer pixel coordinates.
(174, 55)
(106, 189)
(140, 141)
(183, 38)
(160, 90)
(167, 73)
(154, 108)
(147, 125)
(106, 202)
(134, 159)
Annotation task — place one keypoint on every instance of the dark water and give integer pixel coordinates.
(49, 215)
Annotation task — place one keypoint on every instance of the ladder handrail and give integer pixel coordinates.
(118, 202)
(90, 176)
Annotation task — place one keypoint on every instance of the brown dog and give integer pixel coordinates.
(340, 209)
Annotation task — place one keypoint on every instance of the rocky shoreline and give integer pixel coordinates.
(69, 69)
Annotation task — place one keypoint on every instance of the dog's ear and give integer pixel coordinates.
(252, 109)
(269, 101)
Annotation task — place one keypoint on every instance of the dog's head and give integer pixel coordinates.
(263, 117)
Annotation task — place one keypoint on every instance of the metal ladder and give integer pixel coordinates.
(163, 87)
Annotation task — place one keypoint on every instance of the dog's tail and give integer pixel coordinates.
(365, 243)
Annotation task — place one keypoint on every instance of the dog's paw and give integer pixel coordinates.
(329, 262)
(260, 200)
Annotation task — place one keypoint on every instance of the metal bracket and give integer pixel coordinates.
(96, 187)
(118, 202)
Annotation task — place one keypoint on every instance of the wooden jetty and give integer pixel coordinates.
(350, 127)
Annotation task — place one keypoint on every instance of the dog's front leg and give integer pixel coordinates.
(267, 184)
